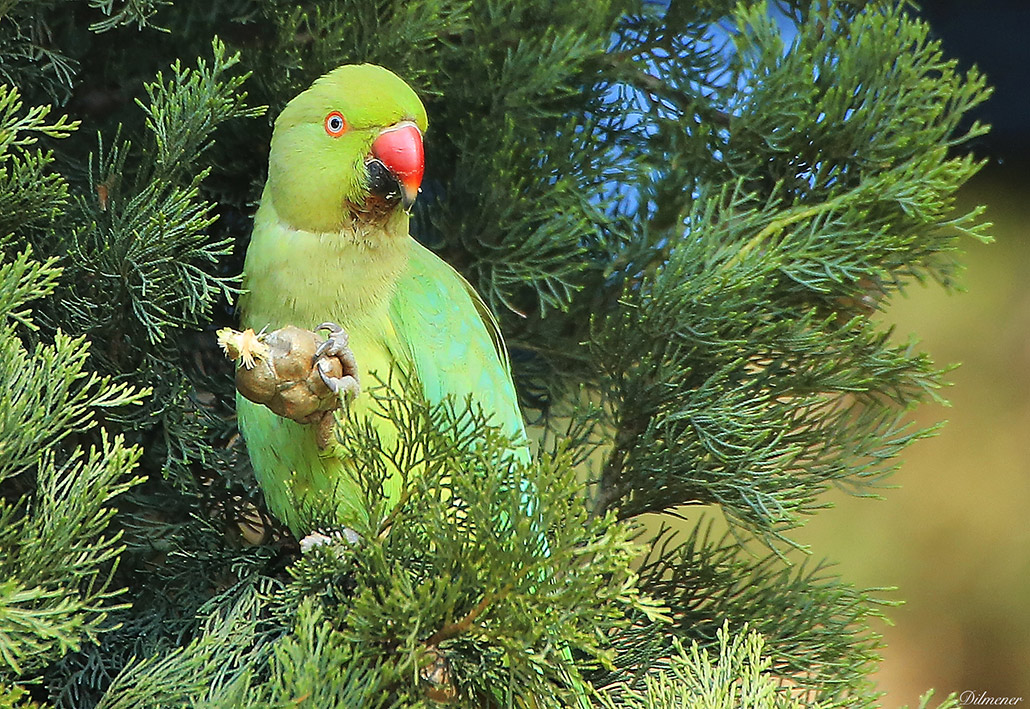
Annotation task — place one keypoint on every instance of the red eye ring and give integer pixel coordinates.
(335, 124)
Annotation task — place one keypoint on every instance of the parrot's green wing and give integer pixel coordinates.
(453, 340)
(449, 335)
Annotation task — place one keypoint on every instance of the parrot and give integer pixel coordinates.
(331, 246)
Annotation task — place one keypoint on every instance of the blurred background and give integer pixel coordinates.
(955, 538)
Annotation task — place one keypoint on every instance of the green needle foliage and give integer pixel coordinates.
(686, 217)
(59, 551)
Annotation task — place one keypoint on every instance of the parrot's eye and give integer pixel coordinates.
(335, 124)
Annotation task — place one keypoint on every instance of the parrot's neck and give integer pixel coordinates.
(302, 278)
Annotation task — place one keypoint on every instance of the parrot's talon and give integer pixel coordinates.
(337, 341)
(332, 539)
(337, 346)
(324, 348)
(348, 384)
(332, 382)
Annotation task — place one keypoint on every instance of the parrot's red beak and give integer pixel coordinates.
(399, 148)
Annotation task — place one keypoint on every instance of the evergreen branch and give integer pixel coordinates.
(827, 649)
(734, 674)
(627, 70)
(464, 546)
(51, 396)
(778, 225)
(15, 697)
(451, 630)
(35, 623)
(59, 562)
(211, 667)
(186, 109)
(21, 131)
(31, 196)
(138, 12)
(298, 668)
(151, 244)
(23, 280)
(68, 518)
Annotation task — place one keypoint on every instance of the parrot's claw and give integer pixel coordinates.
(348, 384)
(337, 346)
(318, 539)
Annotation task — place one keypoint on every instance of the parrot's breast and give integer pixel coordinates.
(302, 278)
(293, 277)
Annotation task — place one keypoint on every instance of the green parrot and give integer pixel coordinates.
(331, 244)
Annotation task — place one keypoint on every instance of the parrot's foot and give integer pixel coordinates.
(337, 346)
(326, 429)
(318, 539)
(282, 371)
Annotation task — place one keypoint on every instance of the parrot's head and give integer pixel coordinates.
(348, 148)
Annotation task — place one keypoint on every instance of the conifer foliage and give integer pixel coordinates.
(686, 217)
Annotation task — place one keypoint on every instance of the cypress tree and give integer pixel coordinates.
(686, 217)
